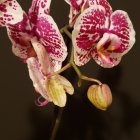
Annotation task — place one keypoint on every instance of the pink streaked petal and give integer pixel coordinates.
(42, 55)
(83, 57)
(73, 16)
(37, 77)
(76, 4)
(38, 9)
(49, 34)
(107, 60)
(104, 3)
(10, 12)
(75, 9)
(121, 25)
(20, 51)
(55, 65)
(19, 34)
(89, 28)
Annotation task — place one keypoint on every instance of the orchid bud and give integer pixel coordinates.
(100, 96)
(57, 86)
(57, 92)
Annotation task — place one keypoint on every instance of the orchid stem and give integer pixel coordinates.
(57, 124)
(90, 79)
(72, 63)
(61, 70)
(67, 33)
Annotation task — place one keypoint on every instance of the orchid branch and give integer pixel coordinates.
(57, 124)
(72, 64)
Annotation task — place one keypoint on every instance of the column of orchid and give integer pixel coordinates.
(97, 33)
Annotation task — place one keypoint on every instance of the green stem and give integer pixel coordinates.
(61, 70)
(67, 32)
(57, 124)
(90, 79)
(81, 77)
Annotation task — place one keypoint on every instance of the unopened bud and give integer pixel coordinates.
(100, 96)
(57, 92)
(57, 86)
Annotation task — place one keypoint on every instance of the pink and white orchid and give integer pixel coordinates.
(52, 88)
(37, 41)
(102, 35)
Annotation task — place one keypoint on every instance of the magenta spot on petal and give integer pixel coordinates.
(43, 4)
(3, 8)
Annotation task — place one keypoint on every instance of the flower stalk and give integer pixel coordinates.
(57, 123)
(72, 64)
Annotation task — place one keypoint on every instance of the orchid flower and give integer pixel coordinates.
(37, 41)
(102, 35)
(51, 88)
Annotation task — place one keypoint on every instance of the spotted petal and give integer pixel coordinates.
(42, 56)
(88, 29)
(38, 9)
(10, 12)
(39, 81)
(75, 4)
(104, 3)
(75, 9)
(19, 35)
(121, 25)
(78, 6)
(49, 34)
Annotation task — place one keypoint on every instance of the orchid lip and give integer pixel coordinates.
(109, 42)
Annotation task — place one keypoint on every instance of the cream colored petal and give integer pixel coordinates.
(56, 91)
(37, 77)
(42, 56)
(66, 84)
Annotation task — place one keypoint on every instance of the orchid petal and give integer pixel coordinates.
(108, 60)
(107, 56)
(82, 58)
(49, 34)
(66, 84)
(55, 65)
(56, 91)
(42, 56)
(39, 80)
(104, 3)
(10, 12)
(38, 9)
(78, 6)
(19, 34)
(121, 26)
(75, 9)
(88, 29)
(75, 4)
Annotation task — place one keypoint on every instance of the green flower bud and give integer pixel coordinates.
(100, 96)
(57, 86)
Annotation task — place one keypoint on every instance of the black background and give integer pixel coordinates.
(21, 119)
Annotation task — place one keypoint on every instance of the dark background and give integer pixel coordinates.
(21, 119)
